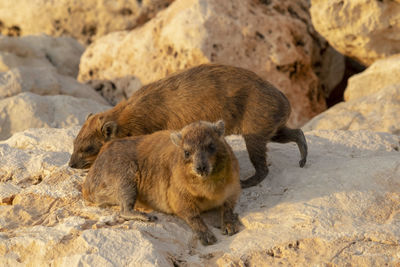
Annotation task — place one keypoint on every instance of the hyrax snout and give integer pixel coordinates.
(183, 173)
(248, 105)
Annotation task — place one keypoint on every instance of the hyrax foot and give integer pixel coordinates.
(207, 238)
(231, 227)
(302, 162)
(254, 180)
(135, 215)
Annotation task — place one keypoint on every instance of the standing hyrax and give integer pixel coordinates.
(182, 173)
(248, 105)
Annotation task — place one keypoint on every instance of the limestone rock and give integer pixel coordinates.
(361, 29)
(117, 89)
(376, 112)
(379, 75)
(275, 39)
(29, 156)
(62, 53)
(28, 110)
(83, 20)
(311, 216)
(44, 81)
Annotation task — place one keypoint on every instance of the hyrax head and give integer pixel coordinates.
(201, 145)
(94, 133)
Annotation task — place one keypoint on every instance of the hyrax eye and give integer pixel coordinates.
(211, 147)
(88, 149)
(187, 154)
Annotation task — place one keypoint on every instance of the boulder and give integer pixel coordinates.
(116, 90)
(376, 112)
(379, 75)
(44, 81)
(361, 29)
(62, 53)
(83, 20)
(275, 39)
(28, 110)
(298, 216)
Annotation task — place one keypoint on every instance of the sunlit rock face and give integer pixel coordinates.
(83, 20)
(61, 54)
(27, 110)
(380, 74)
(361, 29)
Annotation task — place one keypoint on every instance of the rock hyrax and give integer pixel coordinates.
(248, 105)
(182, 173)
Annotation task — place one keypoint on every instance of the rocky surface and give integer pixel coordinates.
(273, 38)
(44, 81)
(376, 112)
(27, 110)
(61, 54)
(38, 86)
(83, 20)
(372, 101)
(116, 90)
(379, 75)
(342, 208)
(361, 29)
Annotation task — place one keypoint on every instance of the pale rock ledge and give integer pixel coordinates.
(342, 208)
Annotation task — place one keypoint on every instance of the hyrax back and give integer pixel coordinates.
(248, 105)
(182, 173)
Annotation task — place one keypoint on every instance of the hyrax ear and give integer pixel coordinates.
(109, 129)
(219, 127)
(176, 138)
(88, 116)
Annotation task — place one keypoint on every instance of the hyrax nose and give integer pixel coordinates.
(201, 168)
(72, 164)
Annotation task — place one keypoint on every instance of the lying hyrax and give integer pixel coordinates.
(182, 173)
(248, 105)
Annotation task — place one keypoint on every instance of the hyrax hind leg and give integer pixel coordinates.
(285, 135)
(257, 148)
(127, 198)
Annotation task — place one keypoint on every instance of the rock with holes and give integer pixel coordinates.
(117, 89)
(377, 112)
(83, 20)
(27, 110)
(273, 38)
(342, 208)
(61, 54)
(44, 81)
(379, 75)
(360, 29)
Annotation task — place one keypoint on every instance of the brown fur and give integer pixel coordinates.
(249, 106)
(182, 173)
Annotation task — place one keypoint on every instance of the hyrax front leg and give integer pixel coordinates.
(127, 199)
(184, 207)
(230, 221)
(200, 228)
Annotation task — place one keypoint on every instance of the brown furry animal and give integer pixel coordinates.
(182, 173)
(248, 105)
